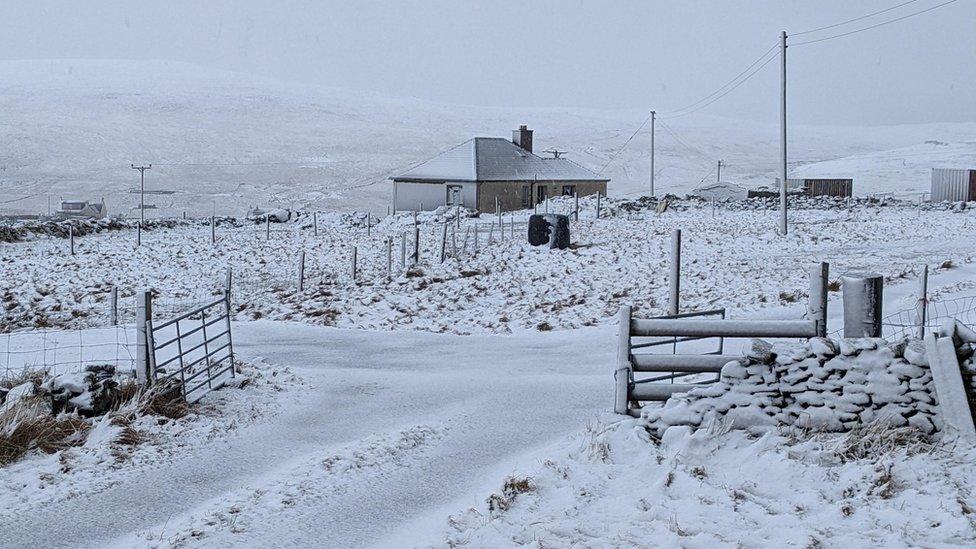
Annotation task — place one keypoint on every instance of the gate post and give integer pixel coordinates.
(143, 314)
(622, 373)
(862, 304)
(922, 304)
(817, 306)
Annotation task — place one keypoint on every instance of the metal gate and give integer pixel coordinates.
(194, 348)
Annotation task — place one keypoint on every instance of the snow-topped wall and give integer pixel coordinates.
(825, 384)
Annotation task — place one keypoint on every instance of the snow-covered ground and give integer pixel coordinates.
(731, 260)
(225, 141)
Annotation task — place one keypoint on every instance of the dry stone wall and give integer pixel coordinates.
(826, 384)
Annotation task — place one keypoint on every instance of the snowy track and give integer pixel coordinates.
(391, 426)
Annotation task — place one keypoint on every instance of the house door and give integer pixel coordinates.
(541, 194)
(454, 195)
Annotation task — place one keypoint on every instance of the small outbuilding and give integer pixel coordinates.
(484, 171)
(81, 209)
(953, 185)
(823, 187)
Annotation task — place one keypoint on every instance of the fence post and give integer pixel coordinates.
(444, 242)
(143, 314)
(921, 306)
(622, 373)
(113, 306)
(403, 250)
(228, 281)
(301, 271)
(354, 270)
(416, 244)
(369, 223)
(315, 223)
(491, 232)
(389, 257)
(818, 297)
(477, 229)
(267, 227)
(71, 238)
(862, 304)
(598, 194)
(453, 241)
(675, 278)
(139, 233)
(464, 243)
(575, 206)
(184, 215)
(213, 230)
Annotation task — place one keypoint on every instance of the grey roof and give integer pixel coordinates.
(496, 159)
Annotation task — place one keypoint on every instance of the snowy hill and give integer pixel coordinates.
(223, 141)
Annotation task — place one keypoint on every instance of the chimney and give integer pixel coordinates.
(523, 137)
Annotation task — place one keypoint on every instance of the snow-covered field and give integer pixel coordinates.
(731, 260)
(225, 141)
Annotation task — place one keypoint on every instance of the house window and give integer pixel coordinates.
(541, 194)
(526, 195)
(569, 190)
(454, 195)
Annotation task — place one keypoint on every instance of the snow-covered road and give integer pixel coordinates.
(412, 420)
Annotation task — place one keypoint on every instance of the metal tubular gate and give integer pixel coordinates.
(199, 359)
(631, 392)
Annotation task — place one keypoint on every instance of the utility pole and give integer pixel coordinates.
(782, 109)
(653, 116)
(142, 194)
(718, 176)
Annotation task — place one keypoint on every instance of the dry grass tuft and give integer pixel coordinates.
(878, 439)
(164, 398)
(29, 426)
(511, 488)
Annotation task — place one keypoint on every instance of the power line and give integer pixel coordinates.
(881, 24)
(624, 146)
(722, 87)
(818, 29)
(743, 81)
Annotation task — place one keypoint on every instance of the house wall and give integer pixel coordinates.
(509, 193)
(410, 196)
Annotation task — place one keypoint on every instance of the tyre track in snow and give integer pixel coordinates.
(364, 384)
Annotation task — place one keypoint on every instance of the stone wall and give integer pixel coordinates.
(824, 384)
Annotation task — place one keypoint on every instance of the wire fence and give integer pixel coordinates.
(906, 323)
(62, 351)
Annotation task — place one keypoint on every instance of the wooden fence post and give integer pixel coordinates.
(369, 224)
(622, 373)
(113, 306)
(453, 241)
(464, 243)
(491, 232)
(416, 244)
(354, 269)
(301, 271)
(143, 314)
(71, 238)
(675, 278)
(315, 223)
(575, 206)
(403, 251)
(477, 229)
(444, 242)
(389, 257)
(139, 233)
(863, 294)
(267, 227)
(921, 306)
(817, 305)
(598, 204)
(227, 281)
(213, 230)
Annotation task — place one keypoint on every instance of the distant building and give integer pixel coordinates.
(823, 187)
(482, 170)
(81, 209)
(953, 185)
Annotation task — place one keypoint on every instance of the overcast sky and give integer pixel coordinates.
(650, 54)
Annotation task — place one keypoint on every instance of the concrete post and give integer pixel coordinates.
(622, 371)
(862, 304)
(817, 306)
